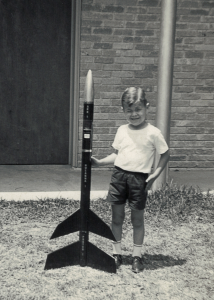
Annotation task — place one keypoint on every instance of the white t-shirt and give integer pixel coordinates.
(136, 148)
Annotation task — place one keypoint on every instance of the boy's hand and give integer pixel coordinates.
(95, 162)
(150, 181)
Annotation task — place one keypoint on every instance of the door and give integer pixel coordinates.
(34, 81)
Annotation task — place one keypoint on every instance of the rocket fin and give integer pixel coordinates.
(69, 225)
(98, 226)
(100, 260)
(67, 256)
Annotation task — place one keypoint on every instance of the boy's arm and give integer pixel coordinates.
(164, 158)
(104, 161)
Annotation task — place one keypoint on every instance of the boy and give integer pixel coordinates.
(135, 144)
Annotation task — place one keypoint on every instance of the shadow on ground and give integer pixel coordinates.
(155, 261)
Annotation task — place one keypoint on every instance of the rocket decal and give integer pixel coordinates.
(83, 252)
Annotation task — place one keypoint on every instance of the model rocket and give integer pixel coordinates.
(83, 252)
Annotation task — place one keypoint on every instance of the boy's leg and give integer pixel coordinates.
(137, 217)
(118, 214)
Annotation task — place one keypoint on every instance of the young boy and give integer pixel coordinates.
(135, 144)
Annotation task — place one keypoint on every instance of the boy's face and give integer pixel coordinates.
(135, 113)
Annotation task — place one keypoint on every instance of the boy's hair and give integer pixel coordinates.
(132, 95)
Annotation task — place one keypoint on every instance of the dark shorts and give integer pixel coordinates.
(129, 186)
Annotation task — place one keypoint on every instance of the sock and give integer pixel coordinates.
(116, 247)
(137, 250)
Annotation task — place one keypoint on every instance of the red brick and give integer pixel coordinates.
(100, 144)
(183, 89)
(205, 110)
(104, 123)
(125, 2)
(130, 39)
(110, 109)
(207, 4)
(117, 116)
(124, 17)
(184, 75)
(113, 9)
(205, 89)
(204, 151)
(134, 25)
(202, 103)
(114, 24)
(110, 95)
(209, 82)
(104, 60)
(122, 60)
(182, 164)
(178, 157)
(145, 32)
(144, 47)
(102, 31)
(111, 52)
(193, 130)
(205, 75)
(85, 30)
(199, 12)
(143, 74)
(192, 82)
(209, 55)
(91, 23)
(194, 19)
(91, 38)
(194, 54)
(113, 67)
(144, 60)
(123, 32)
(148, 18)
(90, 7)
(131, 82)
(123, 46)
(180, 103)
(190, 4)
(148, 3)
(103, 46)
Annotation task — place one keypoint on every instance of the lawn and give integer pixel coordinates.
(178, 251)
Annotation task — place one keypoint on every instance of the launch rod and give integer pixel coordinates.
(165, 77)
(86, 166)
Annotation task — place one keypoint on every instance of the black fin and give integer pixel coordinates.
(69, 225)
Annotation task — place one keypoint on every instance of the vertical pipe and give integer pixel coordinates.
(165, 77)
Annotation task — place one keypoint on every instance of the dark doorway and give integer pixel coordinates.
(34, 81)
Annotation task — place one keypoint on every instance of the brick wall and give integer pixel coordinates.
(120, 44)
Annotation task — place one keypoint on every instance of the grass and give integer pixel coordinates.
(178, 250)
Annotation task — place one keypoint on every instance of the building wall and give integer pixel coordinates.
(120, 44)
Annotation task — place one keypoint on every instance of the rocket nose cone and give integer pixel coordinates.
(89, 88)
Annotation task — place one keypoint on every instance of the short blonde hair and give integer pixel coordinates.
(132, 95)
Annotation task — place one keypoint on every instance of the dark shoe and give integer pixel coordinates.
(137, 264)
(118, 260)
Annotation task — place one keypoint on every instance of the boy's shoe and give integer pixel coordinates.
(137, 264)
(118, 260)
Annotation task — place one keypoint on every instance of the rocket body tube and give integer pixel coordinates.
(86, 164)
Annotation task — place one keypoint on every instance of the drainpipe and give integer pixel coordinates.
(165, 78)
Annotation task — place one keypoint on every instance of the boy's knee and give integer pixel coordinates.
(137, 222)
(117, 219)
